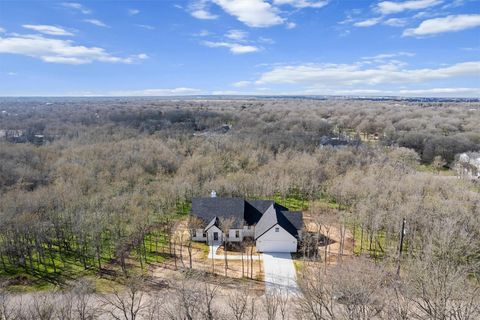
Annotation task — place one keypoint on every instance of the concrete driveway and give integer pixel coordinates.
(280, 273)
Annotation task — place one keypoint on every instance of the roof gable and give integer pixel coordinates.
(272, 217)
(254, 209)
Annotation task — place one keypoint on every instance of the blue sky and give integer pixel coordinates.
(336, 47)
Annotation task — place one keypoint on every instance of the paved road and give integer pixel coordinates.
(280, 273)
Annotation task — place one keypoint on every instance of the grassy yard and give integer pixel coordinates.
(376, 248)
(431, 169)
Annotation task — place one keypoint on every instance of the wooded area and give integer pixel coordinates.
(113, 176)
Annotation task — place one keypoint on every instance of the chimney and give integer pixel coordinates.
(213, 194)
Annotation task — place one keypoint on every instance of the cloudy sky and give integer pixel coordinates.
(317, 47)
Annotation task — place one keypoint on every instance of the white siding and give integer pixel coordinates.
(248, 232)
(211, 231)
(198, 235)
(232, 235)
(273, 241)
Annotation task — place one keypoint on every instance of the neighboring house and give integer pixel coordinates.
(338, 141)
(468, 165)
(270, 225)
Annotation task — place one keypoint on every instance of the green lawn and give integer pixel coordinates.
(431, 169)
(379, 245)
(291, 202)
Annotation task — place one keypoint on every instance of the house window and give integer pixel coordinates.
(277, 229)
(204, 234)
(237, 233)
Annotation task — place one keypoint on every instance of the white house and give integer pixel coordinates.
(270, 225)
(468, 165)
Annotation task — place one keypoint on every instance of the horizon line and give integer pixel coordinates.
(190, 96)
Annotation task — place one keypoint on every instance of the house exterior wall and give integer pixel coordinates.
(198, 235)
(232, 235)
(273, 241)
(248, 231)
(210, 234)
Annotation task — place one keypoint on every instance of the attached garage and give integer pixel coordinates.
(276, 239)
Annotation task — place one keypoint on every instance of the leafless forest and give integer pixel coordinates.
(92, 189)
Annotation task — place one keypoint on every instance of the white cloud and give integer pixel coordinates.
(146, 26)
(390, 7)
(241, 84)
(199, 9)
(396, 22)
(50, 30)
(447, 24)
(227, 93)
(234, 48)
(96, 22)
(236, 34)
(2, 30)
(77, 6)
(291, 25)
(253, 13)
(203, 14)
(442, 91)
(427, 92)
(361, 74)
(59, 51)
(384, 56)
(266, 40)
(454, 4)
(142, 56)
(471, 48)
(368, 22)
(133, 12)
(303, 3)
(157, 92)
(202, 33)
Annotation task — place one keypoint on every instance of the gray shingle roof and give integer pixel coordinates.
(260, 205)
(295, 217)
(222, 208)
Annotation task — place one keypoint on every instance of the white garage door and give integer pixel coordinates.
(277, 245)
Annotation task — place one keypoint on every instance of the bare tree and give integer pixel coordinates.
(271, 303)
(193, 223)
(42, 307)
(241, 304)
(7, 311)
(127, 304)
(225, 225)
(192, 299)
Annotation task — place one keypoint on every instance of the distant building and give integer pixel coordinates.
(15, 136)
(223, 129)
(468, 165)
(337, 141)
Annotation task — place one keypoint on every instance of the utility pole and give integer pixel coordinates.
(402, 236)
